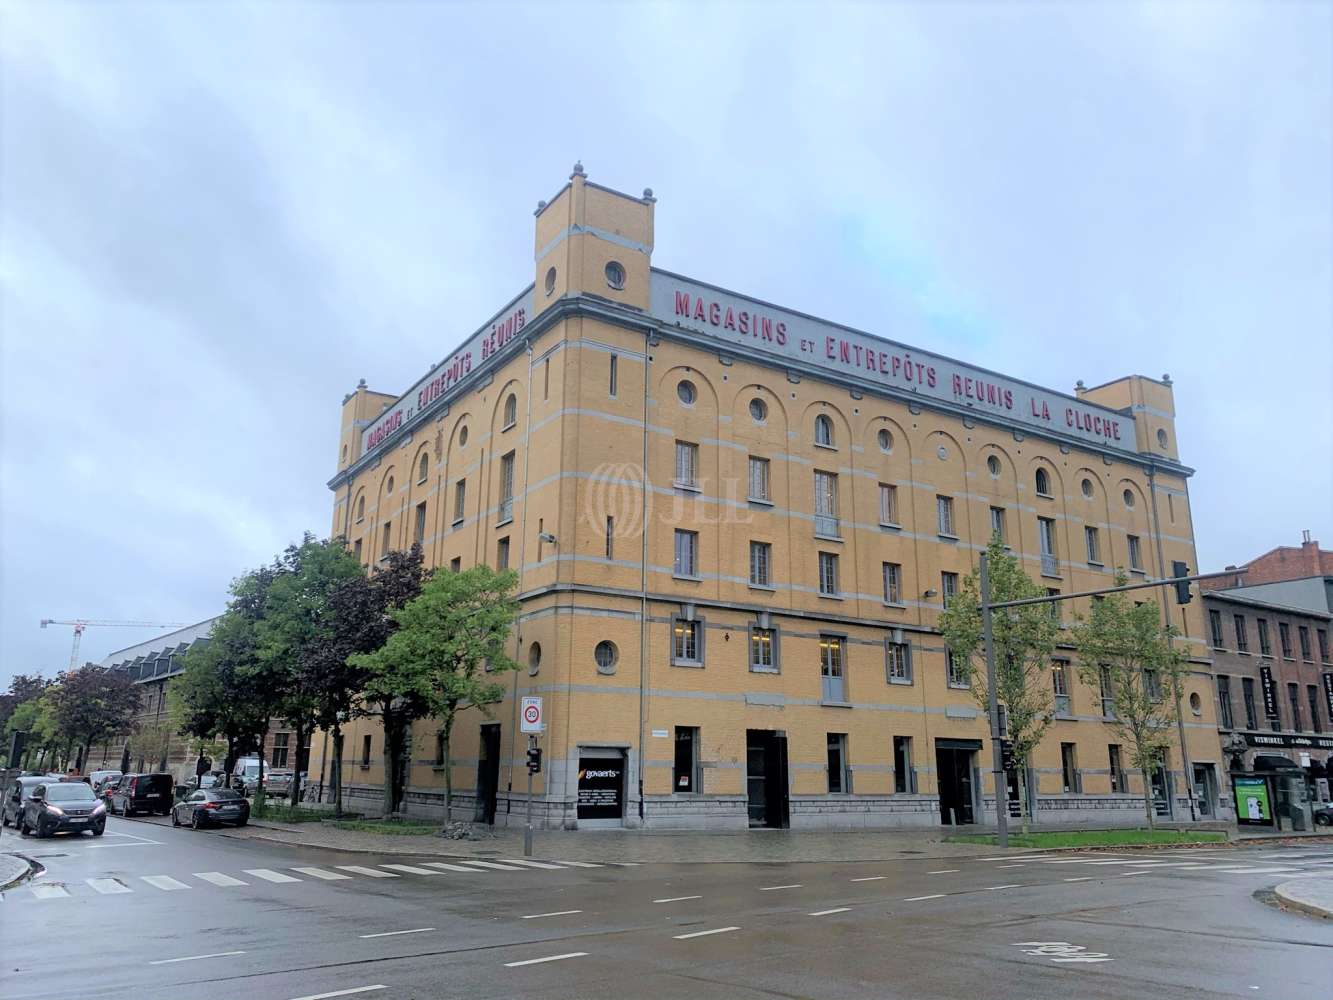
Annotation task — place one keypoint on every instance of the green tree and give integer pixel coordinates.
(448, 650)
(1023, 639)
(93, 703)
(1124, 648)
(23, 687)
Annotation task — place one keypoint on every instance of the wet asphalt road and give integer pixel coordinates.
(151, 912)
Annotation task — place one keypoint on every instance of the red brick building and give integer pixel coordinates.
(1286, 562)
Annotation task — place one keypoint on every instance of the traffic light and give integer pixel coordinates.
(17, 745)
(1007, 754)
(1183, 595)
(534, 760)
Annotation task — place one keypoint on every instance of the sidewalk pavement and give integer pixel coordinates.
(1309, 895)
(13, 869)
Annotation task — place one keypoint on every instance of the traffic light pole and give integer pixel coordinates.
(993, 706)
(527, 831)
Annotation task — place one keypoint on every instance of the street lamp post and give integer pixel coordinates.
(993, 707)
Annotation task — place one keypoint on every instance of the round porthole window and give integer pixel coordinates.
(606, 656)
(1086, 487)
(758, 410)
(1161, 437)
(686, 392)
(534, 659)
(1195, 704)
(615, 275)
(550, 280)
(993, 467)
(885, 439)
(1129, 499)
(462, 437)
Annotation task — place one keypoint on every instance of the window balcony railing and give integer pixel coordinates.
(1050, 566)
(827, 525)
(506, 511)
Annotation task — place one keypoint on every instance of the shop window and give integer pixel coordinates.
(685, 772)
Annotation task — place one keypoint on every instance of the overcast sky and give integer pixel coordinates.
(214, 219)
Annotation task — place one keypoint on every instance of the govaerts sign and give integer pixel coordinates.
(750, 326)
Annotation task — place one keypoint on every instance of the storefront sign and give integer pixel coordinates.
(497, 334)
(1269, 690)
(1288, 740)
(750, 326)
(601, 788)
(1328, 694)
(1252, 805)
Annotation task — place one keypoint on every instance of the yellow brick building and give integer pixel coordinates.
(734, 526)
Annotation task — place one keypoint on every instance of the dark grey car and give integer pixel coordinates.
(211, 807)
(63, 807)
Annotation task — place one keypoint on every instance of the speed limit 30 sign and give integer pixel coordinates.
(530, 715)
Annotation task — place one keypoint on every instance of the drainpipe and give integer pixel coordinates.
(518, 624)
(643, 574)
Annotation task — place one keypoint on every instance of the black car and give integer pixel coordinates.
(62, 807)
(209, 806)
(1323, 814)
(136, 793)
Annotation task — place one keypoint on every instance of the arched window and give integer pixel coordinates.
(824, 431)
(388, 486)
(423, 469)
(511, 410)
(361, 507)
(1043, 482)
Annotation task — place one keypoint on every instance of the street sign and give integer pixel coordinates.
(530, 715)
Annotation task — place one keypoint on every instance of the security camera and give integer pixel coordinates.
(546, 536)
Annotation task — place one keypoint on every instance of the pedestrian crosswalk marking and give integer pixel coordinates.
(108, 886)
(496, 865)
(218, 879)
(363, 870)
(269, 875)
(411, 869)
(44, 891)
(165, 882)
(320, 873)
(581, 864)
(450, 868)
(529, 864)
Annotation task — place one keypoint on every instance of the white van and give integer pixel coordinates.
(245, 775)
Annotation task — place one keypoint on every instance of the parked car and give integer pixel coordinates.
(135, 793)
(245, 774)
(1323, 814)
(278, 781)
(100, 779)
(213, 779)
(19, 792)
(211, 806)
(62, 806)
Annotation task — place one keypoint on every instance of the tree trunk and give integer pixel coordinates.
(294, 794)
(230, 763)
(391, 741)
(259, 781)
(448, 773)
(1023, 797)
(336, 775)
(1147, 798)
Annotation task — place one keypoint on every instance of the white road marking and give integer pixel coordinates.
(676, 899)
(44, 891)
(917, 899)
(269, 875)
(217, 878)
(411, 869)
(825, 913)
(548, 958)
(872, 878)
(450, 868)
(320, 873)
(195, 958)
(341, 993)
(108, 886)
(1257, 871)
(998, 867)
(1129, 874)
(945, 871)
(582, 864)
(363, 870)
(771, 888)
(414, 930)
(557, 913)
(715, 930)
(164, 882)
(494, 864)
(1081, 878)
(529, 864)
(992, 888)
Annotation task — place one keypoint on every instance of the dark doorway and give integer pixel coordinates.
(766, 778)
(953, 766)
(488, 773)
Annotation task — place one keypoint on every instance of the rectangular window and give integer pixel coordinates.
(611, 377)
(948, 587)
(826, 504)
(1107, 692)
(944, 516)
(1224, 701)
(904, 781)
(1152, 685)
(687, 553)
(1069, 767)
(687, 465)
(685, 770)
(1312, 698)
(546, 379)
(1118, 784)
(1215, 628)
(1054, 606)
(763, 650)
(828, 574)
(761, 557)
(460, 500)
(387, 542)
(1323, 644)
(610, 534)
(1094, 545)
(502, 554)
(280, 746)
(1046, 536)
(1294, 700)
(758, 488)
(439, 749)
(1242, 637)
(1135, 553)
(956, 670)
(1060, 683)
(898, 663)
(997, 523)
(833, 685)
(839, 776)
(365, 750)
(888, 504)
(685, 642)
(893, 583)
(456, 564)
(507, 488)
(356, 549)
(1284, 637)
(1265, 644)
(1303, 634)
(419, 529)
(1247, 695)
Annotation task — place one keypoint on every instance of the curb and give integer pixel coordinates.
(1291, 902)
(33, 869)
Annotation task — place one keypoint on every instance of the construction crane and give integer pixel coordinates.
(79, 624)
